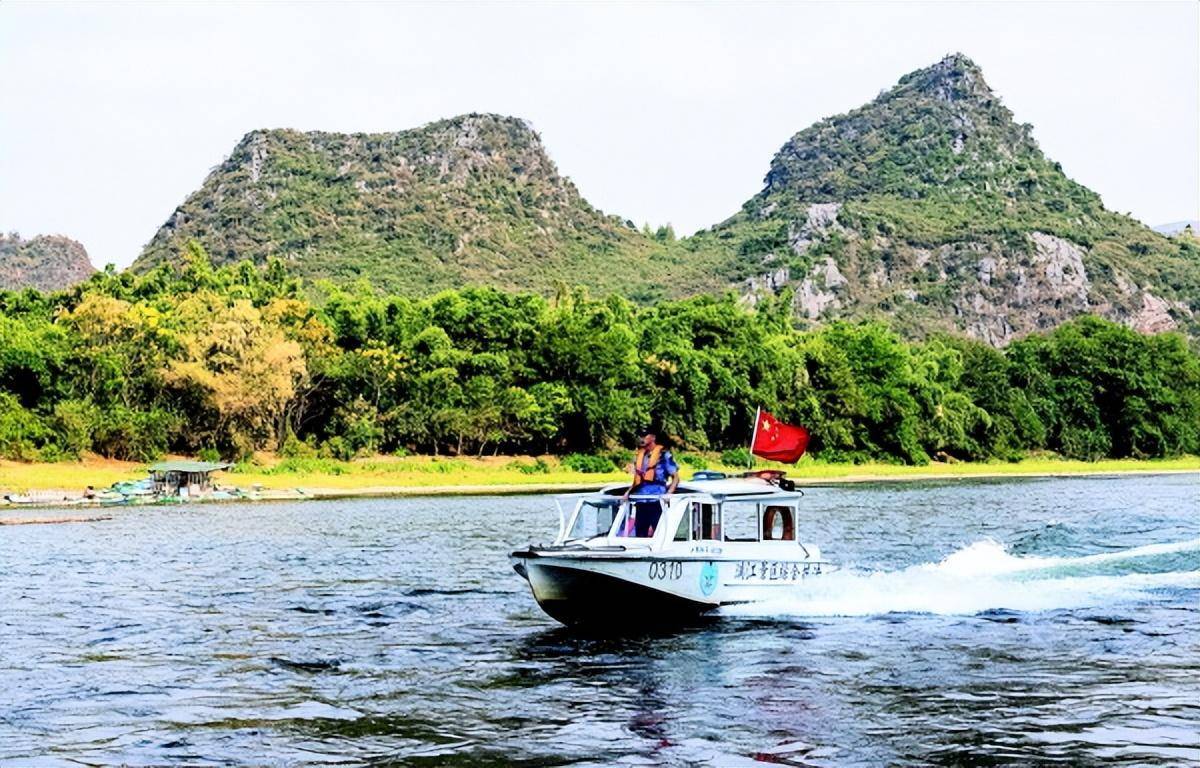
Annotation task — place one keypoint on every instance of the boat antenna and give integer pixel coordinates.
(753, 436)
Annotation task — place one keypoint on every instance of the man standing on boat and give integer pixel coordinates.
(655, 473)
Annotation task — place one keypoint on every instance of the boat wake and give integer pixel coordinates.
(985, 576)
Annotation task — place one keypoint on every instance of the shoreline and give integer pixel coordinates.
(419, 476)
(407, 491)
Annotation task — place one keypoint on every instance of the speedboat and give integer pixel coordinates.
(716, 541)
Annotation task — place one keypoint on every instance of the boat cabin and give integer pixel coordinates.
(742, 510)
(184, 478)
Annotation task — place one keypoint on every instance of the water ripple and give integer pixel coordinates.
(374, 633)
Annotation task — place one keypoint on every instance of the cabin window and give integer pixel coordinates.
(593, 520)
(706, 521)
(741, 522)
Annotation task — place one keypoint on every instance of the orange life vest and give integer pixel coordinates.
(648, 474)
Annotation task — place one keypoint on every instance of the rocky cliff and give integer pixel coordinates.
(933, 208)
(45, 262)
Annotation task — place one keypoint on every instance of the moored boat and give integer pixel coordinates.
(716, 541)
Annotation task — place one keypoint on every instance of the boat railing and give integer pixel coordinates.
(621, 506)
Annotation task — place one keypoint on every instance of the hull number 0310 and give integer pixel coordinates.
(665, 570)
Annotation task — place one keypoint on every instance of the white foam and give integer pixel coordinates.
(979, 577)
(990, 557)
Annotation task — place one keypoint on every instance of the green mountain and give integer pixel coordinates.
(473, 199)
(929, 207)
(932, 208)
(45, 262)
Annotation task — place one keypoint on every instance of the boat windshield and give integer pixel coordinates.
(594, 518)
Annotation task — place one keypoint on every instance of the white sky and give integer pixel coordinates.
(113, 113)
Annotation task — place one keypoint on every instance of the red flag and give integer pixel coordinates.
(776, 441)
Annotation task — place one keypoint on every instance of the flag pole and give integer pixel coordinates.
(753, 437)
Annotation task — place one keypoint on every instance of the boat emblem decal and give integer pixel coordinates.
(708, 579)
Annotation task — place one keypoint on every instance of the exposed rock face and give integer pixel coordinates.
(1154, 316)
(1058, 266)
(1017, 293)
(45, 262)
(820, 221)
(819, 291)
(768, 281)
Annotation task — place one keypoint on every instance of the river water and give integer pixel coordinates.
(1031, 621)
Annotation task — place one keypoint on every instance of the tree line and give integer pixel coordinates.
(195, 359)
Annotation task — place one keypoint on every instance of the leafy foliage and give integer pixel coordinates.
(235, 359)
(587, 463)
(737, 457)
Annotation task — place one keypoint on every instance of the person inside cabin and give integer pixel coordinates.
(655, 473)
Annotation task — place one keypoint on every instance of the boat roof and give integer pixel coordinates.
(748, 488)
(188, 466)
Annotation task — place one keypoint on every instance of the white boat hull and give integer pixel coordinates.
(604, 588)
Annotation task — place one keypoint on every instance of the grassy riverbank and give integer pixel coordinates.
(416, 474)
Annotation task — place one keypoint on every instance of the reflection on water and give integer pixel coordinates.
(974, 622)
